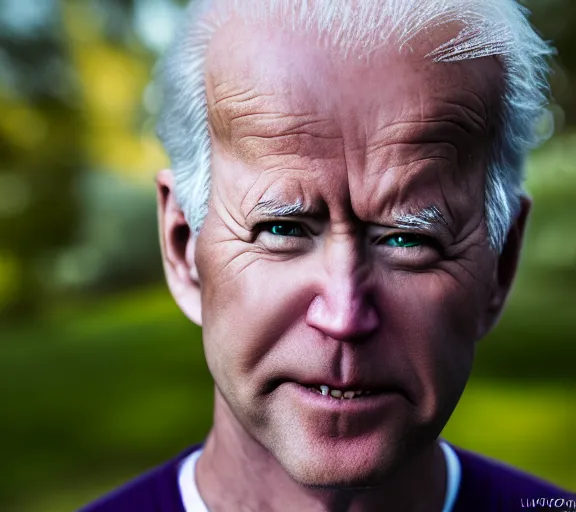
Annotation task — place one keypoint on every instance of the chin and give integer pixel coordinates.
(337, 474)
(342, 463)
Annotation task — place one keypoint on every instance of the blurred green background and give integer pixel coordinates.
(101, 376)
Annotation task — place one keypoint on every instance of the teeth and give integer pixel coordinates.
(339, 394)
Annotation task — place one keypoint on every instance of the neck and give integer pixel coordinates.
(235, 472)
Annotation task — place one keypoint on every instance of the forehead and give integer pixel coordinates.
(279, 82)
(278, 101)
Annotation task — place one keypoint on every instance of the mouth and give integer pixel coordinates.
(341, 394)
(354, 395)
(353, 400)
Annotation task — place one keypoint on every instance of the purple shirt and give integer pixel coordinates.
(486, 486)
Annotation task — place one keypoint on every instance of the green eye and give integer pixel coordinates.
(285, 229)
(405, 240)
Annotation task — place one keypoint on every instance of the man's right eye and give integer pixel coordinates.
(283, 229)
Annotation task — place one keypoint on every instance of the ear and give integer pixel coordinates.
(508, 262)
(178, 246)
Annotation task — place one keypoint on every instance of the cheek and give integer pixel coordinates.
(433, 306)
(446, 309)
(434, 322)
(248, 308)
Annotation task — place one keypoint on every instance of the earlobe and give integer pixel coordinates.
(178, 246)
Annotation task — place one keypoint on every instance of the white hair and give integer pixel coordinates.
(497, 28)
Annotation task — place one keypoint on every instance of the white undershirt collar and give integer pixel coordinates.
(193, 502)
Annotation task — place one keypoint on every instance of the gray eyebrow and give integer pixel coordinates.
(275, 208)
(424, 218)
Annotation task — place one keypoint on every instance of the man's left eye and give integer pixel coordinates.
(405, 240)
(284, 229)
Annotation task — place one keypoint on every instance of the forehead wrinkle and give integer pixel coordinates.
(256, 130)
(232, 95)
(479, 101)
(252, 122)
(406, 144)
(281, 124)
(432, 115)
(239, 95)
(476, 113)
(392, 155)
(438, 129)
(226, 101)
(465, 118)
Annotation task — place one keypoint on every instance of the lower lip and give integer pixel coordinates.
(363, 403)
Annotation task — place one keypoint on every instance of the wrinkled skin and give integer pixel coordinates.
(343, 292)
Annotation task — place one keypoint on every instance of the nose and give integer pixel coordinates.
(344, 308)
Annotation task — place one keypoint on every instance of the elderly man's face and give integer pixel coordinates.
(345, 245)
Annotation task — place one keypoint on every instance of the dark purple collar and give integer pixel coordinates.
(486, 486)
